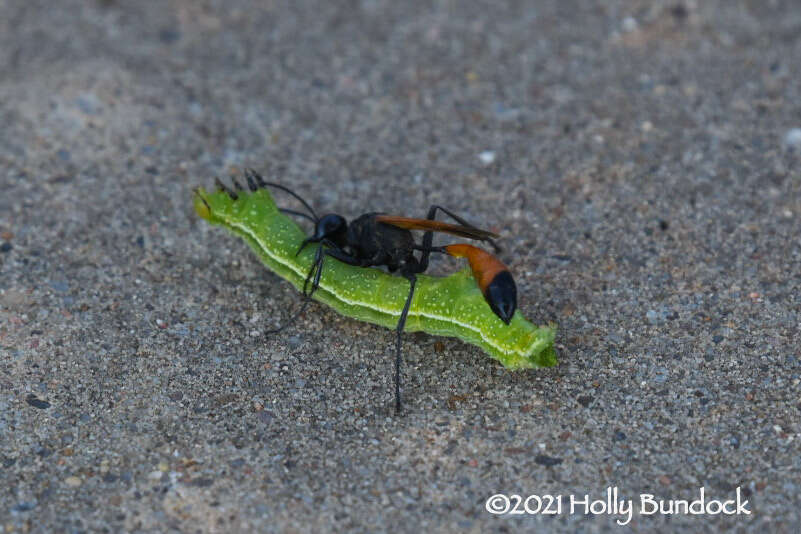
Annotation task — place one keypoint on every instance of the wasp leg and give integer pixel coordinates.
(316, 265)
(399, 330)
(302, 306)
(298, 214)
(255, 178)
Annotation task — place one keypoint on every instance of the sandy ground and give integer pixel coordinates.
(642, 160)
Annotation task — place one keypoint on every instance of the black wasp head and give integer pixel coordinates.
(332, 227)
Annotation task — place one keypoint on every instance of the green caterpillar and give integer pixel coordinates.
(451, 306)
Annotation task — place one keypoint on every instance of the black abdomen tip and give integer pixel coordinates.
(501, 294)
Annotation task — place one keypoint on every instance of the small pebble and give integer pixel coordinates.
(89, 104)
(36, 402)
(73, 481)
(547, 461)
(629, 24)
(60, 286)
(792, 139)
(169, 35)
(487, 157)
(24, 506)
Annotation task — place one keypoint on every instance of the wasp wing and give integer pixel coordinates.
(410, 223)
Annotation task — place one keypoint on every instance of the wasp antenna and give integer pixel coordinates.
(222, 187)
(252, 184)
(299, 214)
(288, 190)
